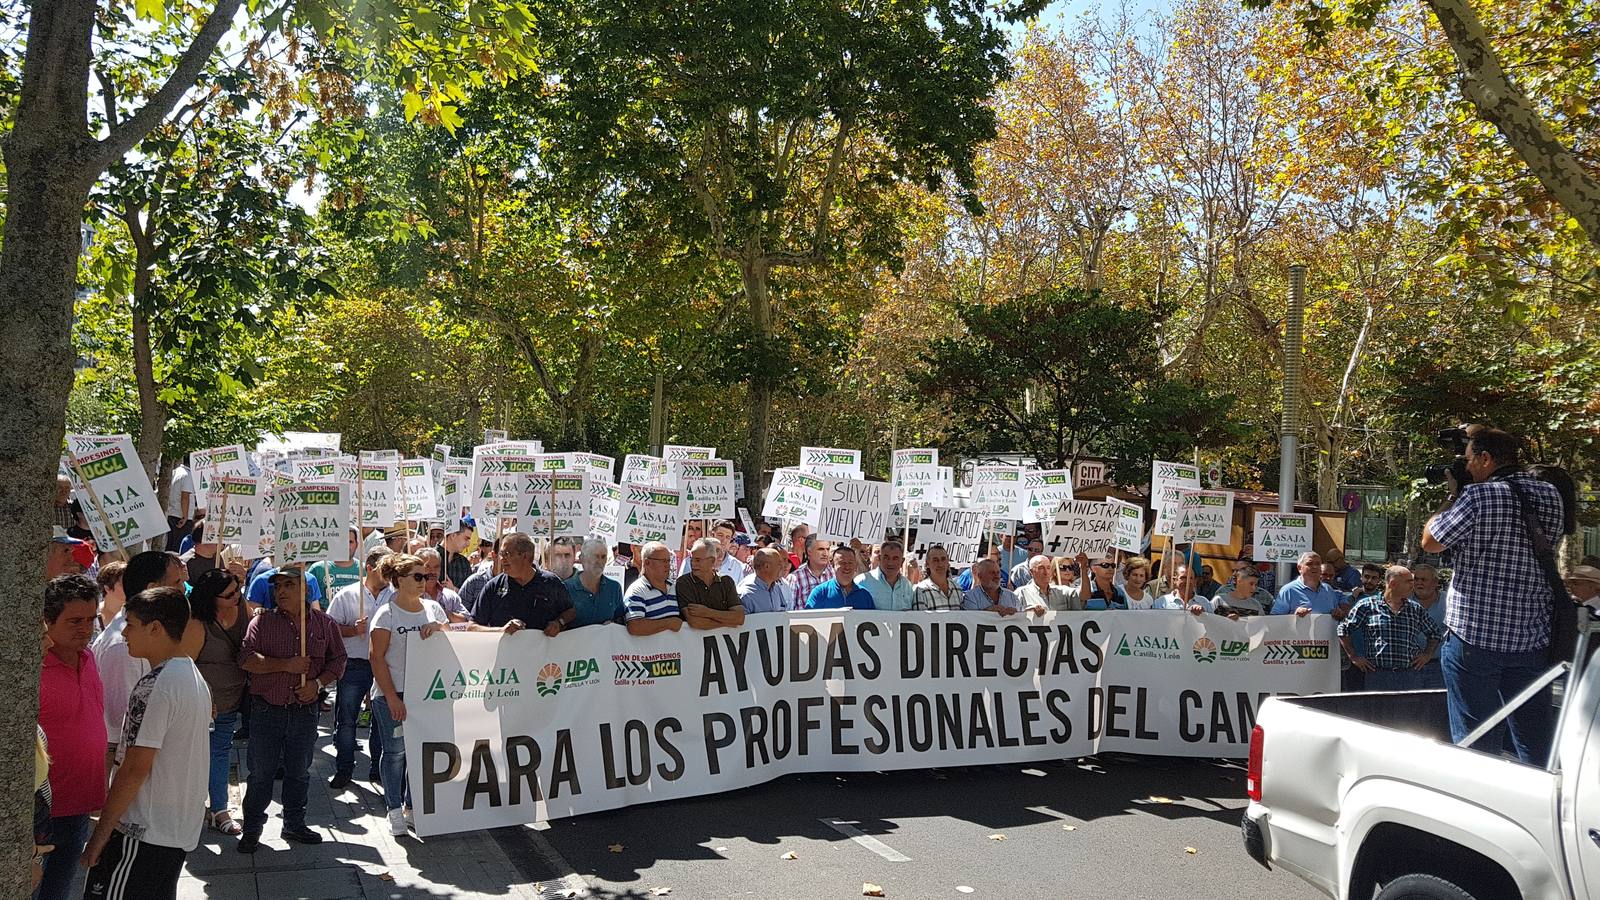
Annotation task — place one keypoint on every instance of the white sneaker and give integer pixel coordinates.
(411, 817)
(397, 822)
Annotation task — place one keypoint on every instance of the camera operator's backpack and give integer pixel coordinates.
(1563, 612)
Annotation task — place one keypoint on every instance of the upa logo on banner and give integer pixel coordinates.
(578, 672)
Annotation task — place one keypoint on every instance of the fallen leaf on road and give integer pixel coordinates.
(660, 892)
(868, 889)
(722, 849)
(385, 876)
(1190, 850)
(963, 889)
(790, 855)
(1069, 827)
(615, 848)
(997, 837)
(1158, 800)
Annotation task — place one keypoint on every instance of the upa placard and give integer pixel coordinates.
(832, 462)
(999, 492)
(246, 516)
(1128, 535)
(650, 513)
(115, 493)
(205, 465)
(497, 485)
(707, 487)
(313, 522)
(918, 477)
(853, 508)
(1046, 490)
(417, 500)
(1204, 517)
(604, 498)
(554, 505)
(379, 483)
(794, 496)
(638, 468)
(1281, 537)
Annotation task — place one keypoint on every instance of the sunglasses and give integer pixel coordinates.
(1105, 565)
(418, 577)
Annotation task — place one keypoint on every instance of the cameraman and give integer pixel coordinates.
(1498, 607)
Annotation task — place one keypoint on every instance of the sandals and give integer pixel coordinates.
(221, 822)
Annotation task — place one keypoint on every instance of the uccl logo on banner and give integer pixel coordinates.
(475, 684)
(1294, 652)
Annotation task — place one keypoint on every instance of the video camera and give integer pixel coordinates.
(1453, 439)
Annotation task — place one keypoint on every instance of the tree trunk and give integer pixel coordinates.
(754, 275)
(1502, 104)
(152, 412)
(657, 412)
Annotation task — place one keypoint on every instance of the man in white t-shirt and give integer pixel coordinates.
(180, 505)
(154, 810)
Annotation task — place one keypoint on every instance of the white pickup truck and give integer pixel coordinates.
(1364, 796)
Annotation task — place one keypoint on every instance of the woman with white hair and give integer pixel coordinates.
(597, 598)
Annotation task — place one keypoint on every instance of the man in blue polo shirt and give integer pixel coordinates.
(1309, 593)
(841, 592)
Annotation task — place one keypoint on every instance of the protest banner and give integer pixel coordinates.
(244, 515)
(553, 504)
(451, 500)
(380, 456)
(313, 522)
(604, 497)
(794, 496)
(679, 452)
(917, 477)
(502, 730)
(1281, 537)
(854, 508)
(707, 487)
(650, 513)
(601, 467)
(497, 479)
(1128, 533)
(832, 462)
(998, 490)
(417, 500)
(81, 444)
(1204, 517)
(119, 504)
(640, 468)
(958, 530)
(1046, 490)
(1080, 526)
(495, 435)
(204, 465)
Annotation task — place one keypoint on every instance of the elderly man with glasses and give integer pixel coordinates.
(651, 605)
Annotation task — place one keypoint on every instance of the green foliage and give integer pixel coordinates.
(1066, 373)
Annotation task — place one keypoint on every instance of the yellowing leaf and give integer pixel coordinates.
(615, 848)
(868, 889)
(150, 9)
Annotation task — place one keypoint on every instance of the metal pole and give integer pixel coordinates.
(1289, 430)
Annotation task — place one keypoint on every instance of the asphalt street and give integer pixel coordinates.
(1114, 827)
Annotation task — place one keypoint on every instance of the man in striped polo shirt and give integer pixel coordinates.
(651, 605)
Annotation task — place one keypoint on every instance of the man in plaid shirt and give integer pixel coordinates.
(1498, 604)
(1399, 634)
(815, 569)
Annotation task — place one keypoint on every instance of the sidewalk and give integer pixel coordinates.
(358, 859)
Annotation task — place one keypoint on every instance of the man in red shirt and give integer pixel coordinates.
(72, 713)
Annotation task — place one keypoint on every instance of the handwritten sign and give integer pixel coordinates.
(854, 508)
(957, 530)
(1080, 527)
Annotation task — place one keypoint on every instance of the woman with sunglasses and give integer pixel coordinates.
(1135, 578)
(407, 611)
(216, 601)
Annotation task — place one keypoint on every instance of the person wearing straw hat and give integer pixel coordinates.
(1583, 583)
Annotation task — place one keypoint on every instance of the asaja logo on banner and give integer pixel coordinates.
(1205, 650)
(475, 684)
(633, 668)
(578, 672)
(1147, 646)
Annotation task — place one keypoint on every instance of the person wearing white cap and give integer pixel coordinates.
(1583, 582)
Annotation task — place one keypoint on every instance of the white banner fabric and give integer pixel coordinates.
(502, 730)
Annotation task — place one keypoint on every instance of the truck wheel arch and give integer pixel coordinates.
(1390, 850)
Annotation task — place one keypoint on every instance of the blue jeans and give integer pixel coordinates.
(221, 747)
(1433, 675)
(393, 767)
(70, 833)
(1481, 681)
(1394, 680)
(286, 736)
(353, 688)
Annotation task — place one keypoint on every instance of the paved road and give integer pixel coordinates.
(921, 836)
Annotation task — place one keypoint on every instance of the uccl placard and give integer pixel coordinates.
(512, 729)
(1205, 517)
(649, 513)
(1281, 537)
(118, 502)
(794, 496)
(313, 522)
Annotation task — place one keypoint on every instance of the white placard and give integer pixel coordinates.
(128, 511)
(854, 508)
(833, 462)
(1205, 517)
(379, 484)
(505, 730)
(604, 498)
(417, 501)
(999, 491)
(958, 530)
(553, 505)
(1128, 534)
(650, 513)
(246, 521)
(918, 477)
(315, 442)
(1167, 479)
(205, 465)
(1046, 490)
(707, 487)
(497, 484)
(640, 468)
(1281, 537)
(313, 522)
(1080, 526)
(794, 495)
(677, 452)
